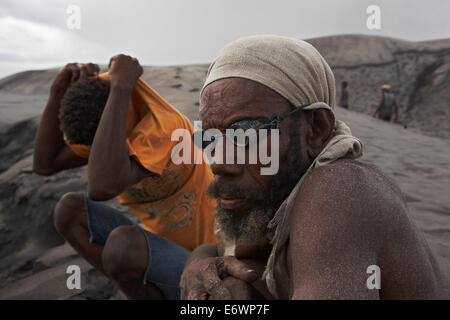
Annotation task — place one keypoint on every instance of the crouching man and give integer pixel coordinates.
(121, 128)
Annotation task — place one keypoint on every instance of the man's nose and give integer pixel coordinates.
(220, 164)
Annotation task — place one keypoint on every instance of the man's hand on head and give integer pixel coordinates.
(51, 154)
(70, 74)
(124, 71)
(204, 279)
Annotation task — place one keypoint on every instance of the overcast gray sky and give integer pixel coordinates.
(34, 34)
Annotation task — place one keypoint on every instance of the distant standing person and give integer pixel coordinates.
(388, 104)
(343, 101)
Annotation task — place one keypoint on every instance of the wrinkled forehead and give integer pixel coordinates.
(231, 96)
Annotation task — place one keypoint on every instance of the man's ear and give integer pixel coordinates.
(320, 126)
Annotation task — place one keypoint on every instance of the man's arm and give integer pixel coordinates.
(51, 154)
(333, 240)
(344, 97)
(396, 111)
(111, 170)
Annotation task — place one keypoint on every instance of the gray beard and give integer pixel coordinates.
(252, 226)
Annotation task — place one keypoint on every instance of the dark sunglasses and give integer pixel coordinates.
(241, 136)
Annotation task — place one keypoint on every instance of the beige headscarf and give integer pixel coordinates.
(297, 71)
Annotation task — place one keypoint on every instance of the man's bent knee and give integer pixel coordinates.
(68, 211)
(125, 254)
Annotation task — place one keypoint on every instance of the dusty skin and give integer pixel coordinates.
(358, 218)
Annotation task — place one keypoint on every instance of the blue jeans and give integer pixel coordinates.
(166, 259)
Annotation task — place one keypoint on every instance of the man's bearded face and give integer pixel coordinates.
(252, 225)
(247, 199)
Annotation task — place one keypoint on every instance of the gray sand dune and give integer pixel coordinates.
(34, 258)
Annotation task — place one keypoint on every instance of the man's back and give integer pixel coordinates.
(388, 105)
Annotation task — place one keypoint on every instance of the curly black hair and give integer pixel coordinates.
(81, 109)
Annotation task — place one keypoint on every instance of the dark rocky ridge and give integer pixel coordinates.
(419, 73)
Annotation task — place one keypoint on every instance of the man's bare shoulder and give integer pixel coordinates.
(337, 230)
(348, 216)
(351, 196)
(352, 206)
(350, 173)
(362, 185)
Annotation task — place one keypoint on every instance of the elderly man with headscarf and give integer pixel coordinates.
(325, 226)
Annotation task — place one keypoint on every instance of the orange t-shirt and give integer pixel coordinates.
(173, 203)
